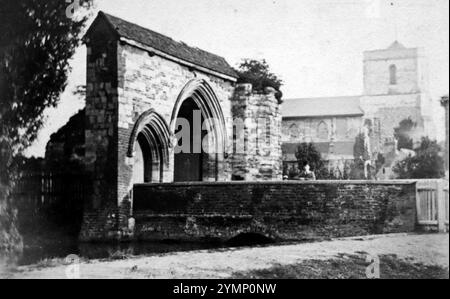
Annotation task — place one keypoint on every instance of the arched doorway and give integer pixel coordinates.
(138, 165)
(199, 127)
(149, 147)
(189, 152)
(148, 163)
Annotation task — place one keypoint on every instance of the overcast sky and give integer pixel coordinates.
(315, 46)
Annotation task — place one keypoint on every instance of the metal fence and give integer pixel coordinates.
(38, 190)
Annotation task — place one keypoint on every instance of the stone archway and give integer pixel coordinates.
(204, 165)
(149, 147)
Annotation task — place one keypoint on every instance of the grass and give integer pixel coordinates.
(348, 267)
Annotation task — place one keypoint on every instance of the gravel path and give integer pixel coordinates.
(430, 249)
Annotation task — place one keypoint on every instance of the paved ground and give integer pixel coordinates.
(426, 249)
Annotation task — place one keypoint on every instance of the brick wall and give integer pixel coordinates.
(281, 210)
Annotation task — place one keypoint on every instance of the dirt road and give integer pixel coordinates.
(430, 249)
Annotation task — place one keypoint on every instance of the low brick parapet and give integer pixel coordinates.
(288, 210)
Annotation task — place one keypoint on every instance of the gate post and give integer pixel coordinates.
(441, 206)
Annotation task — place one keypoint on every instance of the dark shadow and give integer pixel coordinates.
(249, 239)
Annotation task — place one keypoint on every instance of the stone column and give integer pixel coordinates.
(101, 217)
(261, 115)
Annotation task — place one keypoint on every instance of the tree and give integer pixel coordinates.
(257, 72)
(426, 164)
(360, 151)
(360, 154)
(37, 40)
(403, 132)
(306, 152)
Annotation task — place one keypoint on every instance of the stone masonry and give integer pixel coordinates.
(137, 83)
(395, 89)
(257, 151)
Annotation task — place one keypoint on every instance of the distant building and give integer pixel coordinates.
(395, 89)
(332, 124)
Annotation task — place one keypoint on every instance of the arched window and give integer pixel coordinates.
(322, 131)
(393, 74)
(293, 132)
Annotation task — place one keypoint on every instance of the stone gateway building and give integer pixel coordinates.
(160, 111)
(395, 89)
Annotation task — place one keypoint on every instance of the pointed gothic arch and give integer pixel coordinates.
(202, 96)
(393, 74)
(151, 133)
(323, 131)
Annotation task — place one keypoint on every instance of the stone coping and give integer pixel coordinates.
(280, 183)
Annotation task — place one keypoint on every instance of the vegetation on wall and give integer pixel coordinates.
(427, 163)
(257, 72)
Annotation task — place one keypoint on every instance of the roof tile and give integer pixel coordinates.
(169, 46)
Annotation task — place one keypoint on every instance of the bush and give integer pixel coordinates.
(402, 134)
(426, 164)
(306, 152)
(257, 73)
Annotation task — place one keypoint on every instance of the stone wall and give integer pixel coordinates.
(280, 210)
(389, 104)
(410, 71)
(67, 146)
(101, 134)
(333, 137)
(257, 141)
(152, 82)
(101, 116)
(132, 91)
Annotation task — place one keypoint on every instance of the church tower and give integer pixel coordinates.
(395, 70)
(396, 89)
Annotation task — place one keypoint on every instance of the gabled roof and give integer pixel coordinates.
(167, 45)
(396, 45)
(317, 107)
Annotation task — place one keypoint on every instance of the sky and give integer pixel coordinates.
(315, 46)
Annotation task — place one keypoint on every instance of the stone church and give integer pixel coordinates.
(395, 89)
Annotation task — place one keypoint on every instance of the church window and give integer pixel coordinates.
(294, 132)
(393, 74)
(322, 131)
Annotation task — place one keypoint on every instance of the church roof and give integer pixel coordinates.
(167, 45)
(396, 46)
(317, 107)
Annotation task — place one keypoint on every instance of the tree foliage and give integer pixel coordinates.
(426, 164)
(403, 134)
(37, 40)
(307, 152)
(360, 154)
(360, 151)
(257, 72)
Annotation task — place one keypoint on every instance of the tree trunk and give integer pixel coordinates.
(10, 239)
